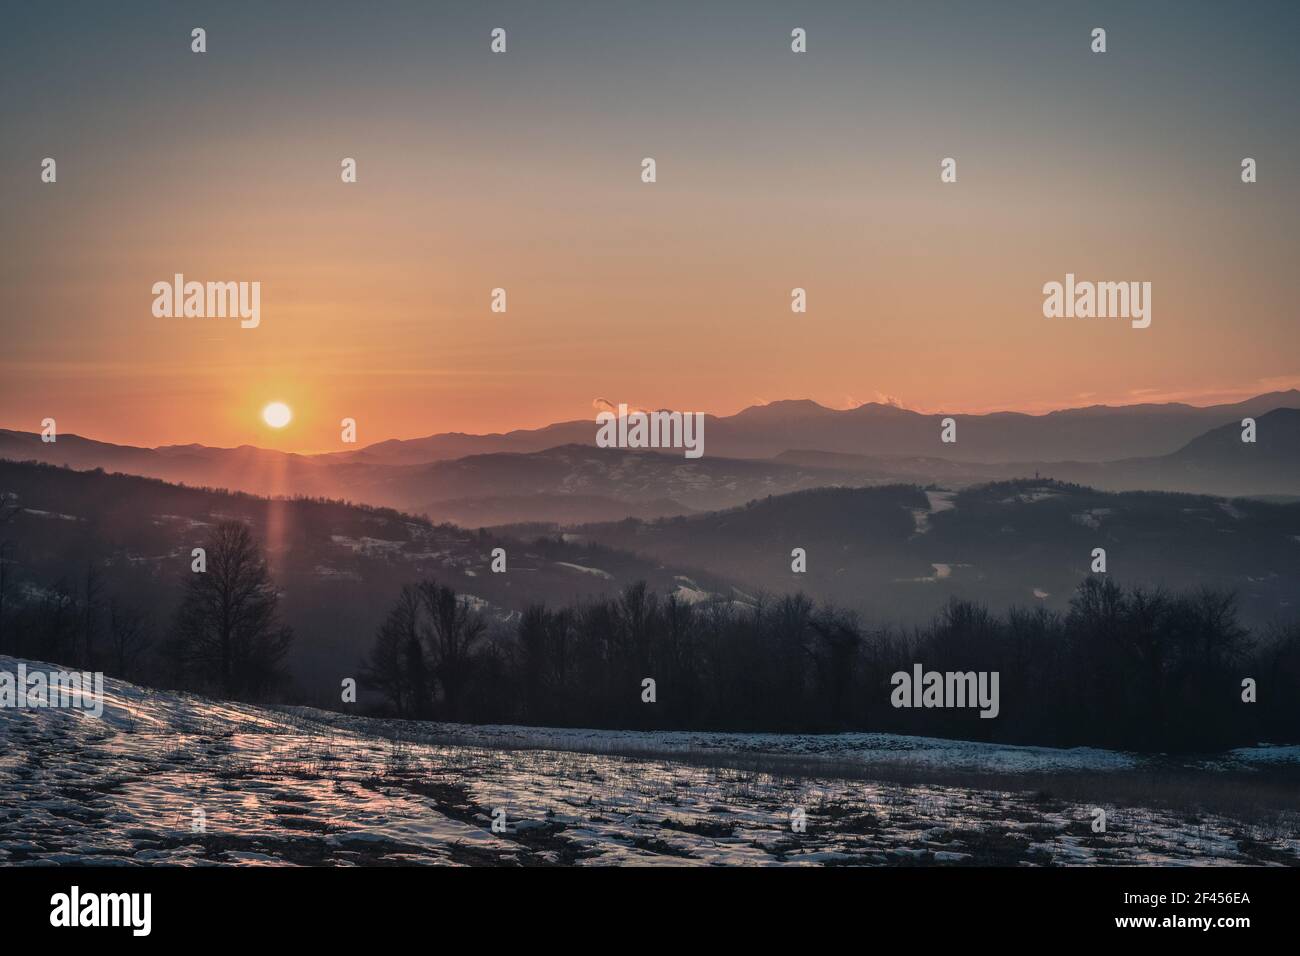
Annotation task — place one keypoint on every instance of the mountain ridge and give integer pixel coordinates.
(575, 481)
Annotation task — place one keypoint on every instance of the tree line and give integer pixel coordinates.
(1123, 667)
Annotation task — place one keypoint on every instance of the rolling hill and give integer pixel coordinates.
(897, 553)
(339, 566)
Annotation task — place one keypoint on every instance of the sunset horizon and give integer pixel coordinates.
(731, 434)
(425, 261)
(256, 432)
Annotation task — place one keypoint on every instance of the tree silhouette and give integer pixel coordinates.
(227, 629)
(128, 637)
(396, 663)
(453, 629)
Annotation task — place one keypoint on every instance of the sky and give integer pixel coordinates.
(522, 171)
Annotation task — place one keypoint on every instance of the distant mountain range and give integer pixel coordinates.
(556, 474)
(1094, 433)
(1217, 462)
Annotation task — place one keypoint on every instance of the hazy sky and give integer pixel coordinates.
(522, 171)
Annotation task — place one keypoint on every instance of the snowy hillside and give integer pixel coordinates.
(170, 778)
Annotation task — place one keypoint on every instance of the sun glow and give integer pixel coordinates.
(277, 414)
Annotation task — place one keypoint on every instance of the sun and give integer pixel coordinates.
(277, 414)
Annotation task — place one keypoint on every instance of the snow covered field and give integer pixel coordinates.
(169, 778)
(854, 748)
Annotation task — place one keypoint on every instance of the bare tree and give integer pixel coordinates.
(396, 663)
(128, 637)
(453, 628)
(228, 630)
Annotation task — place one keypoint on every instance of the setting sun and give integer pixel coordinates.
(277, 414)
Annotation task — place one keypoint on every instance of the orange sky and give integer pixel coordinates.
(523, 173)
